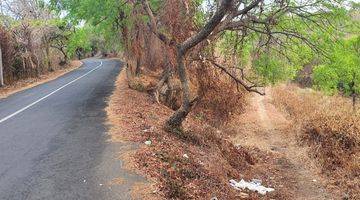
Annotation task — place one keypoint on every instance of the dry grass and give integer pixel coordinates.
(220, 98)
(332, 130)
(32, 82)
(212, 159)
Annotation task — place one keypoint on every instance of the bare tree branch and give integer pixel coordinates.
(249, 88)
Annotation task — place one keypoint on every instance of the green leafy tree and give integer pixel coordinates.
(107, 18)
(79, 42)
(283, 26)
(342, 71)
(273, 70)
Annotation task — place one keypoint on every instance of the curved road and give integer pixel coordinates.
(53, 139)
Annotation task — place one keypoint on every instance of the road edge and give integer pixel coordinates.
(25, 84)
(139, 190)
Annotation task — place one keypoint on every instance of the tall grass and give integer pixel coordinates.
(331, 128)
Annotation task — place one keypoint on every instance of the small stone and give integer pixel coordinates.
(148, 142)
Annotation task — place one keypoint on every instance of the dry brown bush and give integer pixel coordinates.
(23, 53)
(211, 161)
(331, 128)
(7, 50)
(220, 99)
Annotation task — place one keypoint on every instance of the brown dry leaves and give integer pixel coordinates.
(195, 164)
(332, 130)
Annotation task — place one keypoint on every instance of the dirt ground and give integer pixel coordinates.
(264, 151)
(124, 125)
(32, 82)
(264, 127)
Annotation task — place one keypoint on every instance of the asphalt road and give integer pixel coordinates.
(53, 139)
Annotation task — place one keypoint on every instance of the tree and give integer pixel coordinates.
(59, 38)
(26, 9)
(79, 42)
(258, 17)
(341, 72)
(272, 26)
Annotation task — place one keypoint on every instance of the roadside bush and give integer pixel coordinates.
(220, 98)
(29, 50)
(7, 50)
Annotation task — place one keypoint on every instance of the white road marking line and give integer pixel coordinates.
(43, 98)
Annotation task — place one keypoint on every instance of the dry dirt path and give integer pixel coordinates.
(266, 128)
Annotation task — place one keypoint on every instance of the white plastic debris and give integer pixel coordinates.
(186, 156)
(148, 142)
(254, 185)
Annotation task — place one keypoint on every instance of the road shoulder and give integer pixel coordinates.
(118, 106)
(32, 82)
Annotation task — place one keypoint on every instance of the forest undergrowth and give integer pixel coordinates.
(196, 163)
(331, 128)
(289, 149)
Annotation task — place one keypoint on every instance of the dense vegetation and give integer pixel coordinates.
(35, 39)
(332, 134)
(256, 44)
(205, 56)
(252, 43)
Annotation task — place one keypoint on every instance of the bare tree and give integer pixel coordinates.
(25, 9)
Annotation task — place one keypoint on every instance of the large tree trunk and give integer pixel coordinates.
(163, 80)
(175, 121)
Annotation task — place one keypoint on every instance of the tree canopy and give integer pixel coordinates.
(254, 43)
